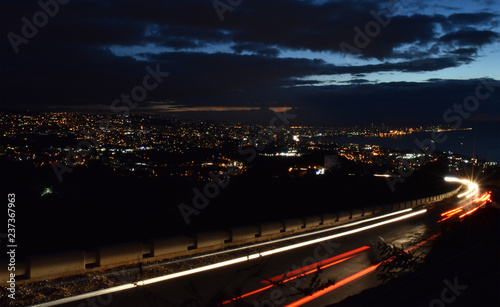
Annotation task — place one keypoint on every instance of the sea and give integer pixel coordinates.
(482, 142)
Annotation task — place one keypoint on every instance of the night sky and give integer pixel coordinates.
(238, 59)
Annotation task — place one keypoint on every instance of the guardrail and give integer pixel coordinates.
(106, 257)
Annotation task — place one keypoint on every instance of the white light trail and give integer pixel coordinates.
(472, 187)
(307, 234)
(225, 263)
(455, 179)
(342, 234)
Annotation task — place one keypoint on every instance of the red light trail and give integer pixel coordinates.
(315, 265)
(302, 272)
(350, 278)
(483, 199)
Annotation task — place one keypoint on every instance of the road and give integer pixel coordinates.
(338, 258)
(317, 271)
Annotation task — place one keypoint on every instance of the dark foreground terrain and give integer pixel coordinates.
(94, 206)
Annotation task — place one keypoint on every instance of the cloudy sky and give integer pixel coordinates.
(329, 62)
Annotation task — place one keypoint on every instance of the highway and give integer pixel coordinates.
(341, 258)
(313, 271)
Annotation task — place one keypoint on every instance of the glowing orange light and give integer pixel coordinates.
(451, 212)
(350, 278)
(245, 295)
(472, 211)
(320, 268)
(336, 262)
(315, 265)
(444, 219)
(334, 286)
(485, 197)
(285, 280)
(468, 212)
(423, 242)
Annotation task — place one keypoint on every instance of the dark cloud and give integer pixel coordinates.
(196, 37)
(254, 26)
(465, 51)
(187, 24)
(402, 103)
(470, 37)
(472, 18)
(429, 64)
(326, 27)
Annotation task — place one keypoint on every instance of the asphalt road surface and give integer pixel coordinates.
(332, 270)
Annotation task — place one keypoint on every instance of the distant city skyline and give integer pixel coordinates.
(138, 134)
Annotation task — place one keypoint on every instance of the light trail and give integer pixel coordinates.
(469, 212)
(353, 277)
(315, 265)
(483, 199)
(452, 212)
(473, 188)
(423, 242)
(301, 272)
(333, 287)
(226, 263)
(284, 281)
(342, 234)
(315, 270)
(307, 234)
(320, 265)
(246, 295)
